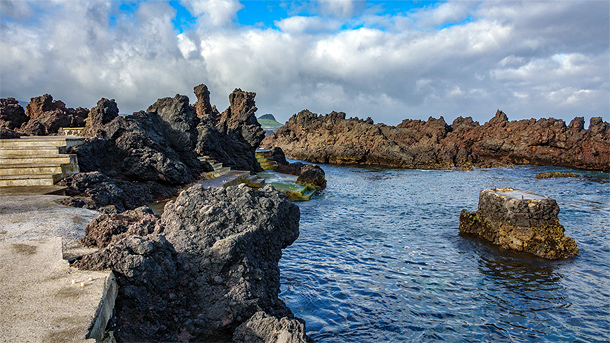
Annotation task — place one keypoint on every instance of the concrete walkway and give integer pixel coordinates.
(39, 302)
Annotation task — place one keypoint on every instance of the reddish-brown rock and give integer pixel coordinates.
(46, 116)
(435, 145)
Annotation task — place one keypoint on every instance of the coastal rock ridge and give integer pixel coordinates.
(434, 144)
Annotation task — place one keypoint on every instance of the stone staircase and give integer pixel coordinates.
(37, 160)
(219, 170)
(265, 159)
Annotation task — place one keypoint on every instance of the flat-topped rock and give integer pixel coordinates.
(520, 221)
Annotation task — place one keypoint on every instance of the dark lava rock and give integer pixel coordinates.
(47, 116)
(291, 168)
(261, 328)
(179, 121)
(233, 136)
(312, 174)
(111, 195)
(152, 304)
(109, 228)
(519, 221)
(12, 115)
(7, 134)
(210, 266)
(100, 115)
(435, 145)
(203, 107)
(137, 149)
(278, 156)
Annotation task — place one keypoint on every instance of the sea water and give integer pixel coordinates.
(380, 259)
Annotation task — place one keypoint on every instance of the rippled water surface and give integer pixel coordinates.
(380, 259)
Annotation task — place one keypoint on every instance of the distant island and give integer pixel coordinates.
(269, 124)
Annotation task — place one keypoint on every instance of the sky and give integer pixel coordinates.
(388, 60)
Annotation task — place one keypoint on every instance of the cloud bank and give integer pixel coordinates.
(530, 59)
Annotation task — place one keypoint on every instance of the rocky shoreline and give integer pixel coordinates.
(434, 144)
(207, 269)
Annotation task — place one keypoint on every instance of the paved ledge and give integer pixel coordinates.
(39, 301)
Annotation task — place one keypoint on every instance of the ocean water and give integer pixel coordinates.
(380, 259)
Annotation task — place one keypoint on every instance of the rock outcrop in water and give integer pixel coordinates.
(434, 144)
(208, 273)
(519, 221)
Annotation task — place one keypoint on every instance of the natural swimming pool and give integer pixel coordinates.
(380, 259)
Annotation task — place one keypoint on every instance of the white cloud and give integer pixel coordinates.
(213, 12)
(523, 58)
(301, 24)
(339, 8)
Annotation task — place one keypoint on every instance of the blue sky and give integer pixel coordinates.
(389, 60)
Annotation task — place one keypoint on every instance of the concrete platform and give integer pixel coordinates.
(38, 301)
(41, 190)
(231, 178)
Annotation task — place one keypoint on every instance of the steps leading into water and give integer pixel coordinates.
(265, 159)
(37, 160)
(219, 169)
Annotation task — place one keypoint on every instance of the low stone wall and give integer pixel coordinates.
(521, 221)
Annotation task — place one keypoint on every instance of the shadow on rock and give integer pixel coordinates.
(210, 266)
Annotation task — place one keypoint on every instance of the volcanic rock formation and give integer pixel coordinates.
(12, 115)
(520, 221)
(233, 136)
(433, 144)
(210, 266)
(46, 116)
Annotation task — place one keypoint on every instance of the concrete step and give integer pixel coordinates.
(29, 180)
(37, 169)
(32, 151)
(46, 159)
(41, 302)
(67, 141)
(217, 166)
(216, 173)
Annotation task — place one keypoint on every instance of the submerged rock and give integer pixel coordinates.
(519, 221)
(551, 175)
(210, 266)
